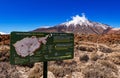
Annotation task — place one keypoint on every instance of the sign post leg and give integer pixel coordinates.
(45, 69)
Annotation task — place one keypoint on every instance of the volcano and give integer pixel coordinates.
(78, 24)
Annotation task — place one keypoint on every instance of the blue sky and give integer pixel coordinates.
(26, 15)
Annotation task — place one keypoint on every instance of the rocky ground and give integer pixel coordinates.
(94, 57)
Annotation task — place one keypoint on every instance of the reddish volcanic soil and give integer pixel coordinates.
(4, 39)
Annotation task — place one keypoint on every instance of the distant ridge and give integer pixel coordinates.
(2, 33)
(114, 31)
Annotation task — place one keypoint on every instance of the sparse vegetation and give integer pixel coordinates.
(4, 56)
(36, 71)
(92, 59)
(105, 49)
(115, 57)
(8, 71)
(101, 69)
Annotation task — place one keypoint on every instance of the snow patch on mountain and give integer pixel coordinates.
(78, 20)
(83, 21)
(102, 25)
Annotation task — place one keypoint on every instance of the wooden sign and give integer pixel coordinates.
(31, 47)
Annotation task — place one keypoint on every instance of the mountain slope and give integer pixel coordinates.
(114, 31)
(78, 24)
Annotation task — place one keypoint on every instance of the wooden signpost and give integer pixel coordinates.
(31, 47)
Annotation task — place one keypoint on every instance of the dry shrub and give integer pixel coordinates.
(61, 71)
(86, 48)
(2, 75)
(8, 71)
(4, 51)
(36, 71)
(69, 62)
(94, 56)
(4, 56)
(91, 49)
(82, 48)
(105, 49)
(115, 58)
(49, 75)
(101, 69)
(58, 71)
(84, 57)
(109, 65)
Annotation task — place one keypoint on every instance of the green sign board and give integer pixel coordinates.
(31, 47)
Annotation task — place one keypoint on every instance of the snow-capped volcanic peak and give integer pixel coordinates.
(78, 20)
(84, 22)
(79, 24)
